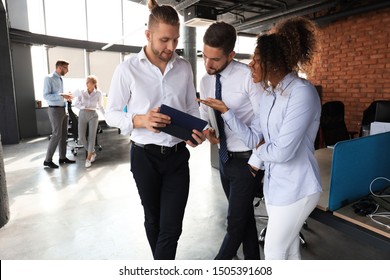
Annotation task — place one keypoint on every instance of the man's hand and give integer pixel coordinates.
(67, 96)
(151, 120)
(199, 137)
(214, 103)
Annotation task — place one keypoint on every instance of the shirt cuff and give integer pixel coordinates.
(255, 161)
(228, 115)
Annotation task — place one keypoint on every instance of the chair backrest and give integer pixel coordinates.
(332, 123)
(74, 122)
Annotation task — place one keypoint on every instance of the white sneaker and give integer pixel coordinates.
(88, 163)
(93, 157)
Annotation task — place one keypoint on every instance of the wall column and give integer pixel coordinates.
(9, 128)
(189, 44)
(4, 204)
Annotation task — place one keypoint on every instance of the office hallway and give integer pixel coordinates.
(74, 213)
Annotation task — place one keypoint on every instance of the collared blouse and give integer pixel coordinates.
(89, 101)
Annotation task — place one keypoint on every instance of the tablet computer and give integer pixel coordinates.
(182, 124)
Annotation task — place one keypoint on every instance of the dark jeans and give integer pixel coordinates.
(240, 188)
(163, 186)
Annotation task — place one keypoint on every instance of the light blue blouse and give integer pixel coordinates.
(288, 120)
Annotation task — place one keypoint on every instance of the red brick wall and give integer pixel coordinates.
(353, 65)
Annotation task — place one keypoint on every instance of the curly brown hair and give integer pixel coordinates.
(301, 34)
(289, 46)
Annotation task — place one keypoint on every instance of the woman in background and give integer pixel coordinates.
(88, 100)
(286, 128)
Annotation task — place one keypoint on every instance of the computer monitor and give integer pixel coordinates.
(382, 112)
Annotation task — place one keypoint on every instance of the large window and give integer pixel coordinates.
(112, 22)
(104, 20)
(103, 64)
(66, 18)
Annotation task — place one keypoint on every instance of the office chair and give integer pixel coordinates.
(73, 130)
(260, 198)
(333, 125)
(264, 230)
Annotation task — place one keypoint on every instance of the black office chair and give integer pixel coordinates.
(73, 130)
(259, 196)
(264, 230)
(333, 125)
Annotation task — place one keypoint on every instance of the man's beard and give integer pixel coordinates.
(163, 56)
(217, 71)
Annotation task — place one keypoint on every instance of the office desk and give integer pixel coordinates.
(344, 218)
(347, 213)
(324, 159)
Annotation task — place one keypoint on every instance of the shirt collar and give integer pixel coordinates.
(283, 84)
(56, 74)
(226, 72)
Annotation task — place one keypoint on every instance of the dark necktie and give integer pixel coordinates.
(223, 152)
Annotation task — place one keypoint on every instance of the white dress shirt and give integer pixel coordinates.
(87, 101)
(240, 95)
(288, 119)
(140, 85)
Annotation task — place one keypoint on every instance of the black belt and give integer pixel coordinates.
(56, 106)
(157, 149)
(246, 154)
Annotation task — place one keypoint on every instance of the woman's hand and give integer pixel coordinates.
(210, 135)
(254, 170)
(216, 104)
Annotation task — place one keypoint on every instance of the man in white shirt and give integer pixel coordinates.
(159, 162)
(242, 96)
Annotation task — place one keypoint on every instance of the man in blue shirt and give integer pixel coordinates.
(53, 92)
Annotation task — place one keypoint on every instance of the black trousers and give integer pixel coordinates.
(163, 185)
(240, 187)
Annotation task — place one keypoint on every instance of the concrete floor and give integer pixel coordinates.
(77, 213)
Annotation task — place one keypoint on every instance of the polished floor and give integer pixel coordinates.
(74, 213)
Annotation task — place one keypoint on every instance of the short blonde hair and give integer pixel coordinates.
(93, 79)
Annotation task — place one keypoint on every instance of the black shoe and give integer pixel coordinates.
(66, 160)
(50, 164)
